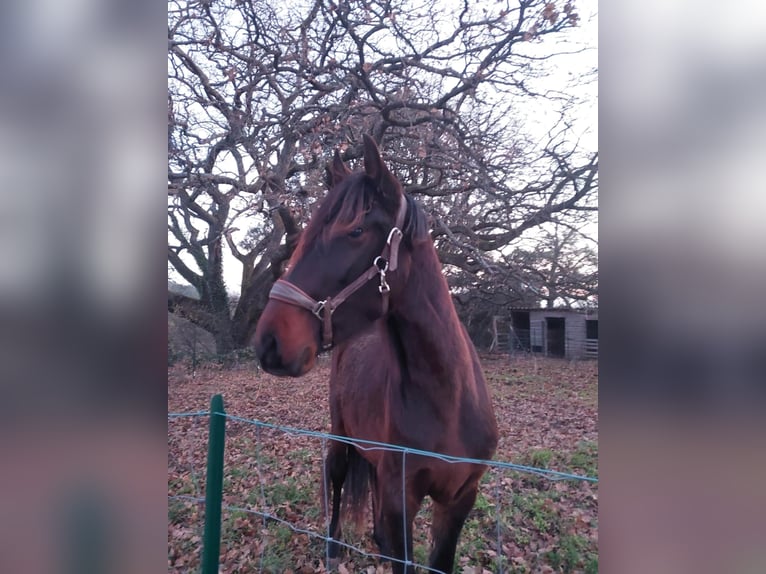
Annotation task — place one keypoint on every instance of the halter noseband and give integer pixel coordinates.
(387, 261)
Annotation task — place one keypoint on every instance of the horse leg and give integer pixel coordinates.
(377, 515)
(448, 520)
(336, 466)
(396, 525)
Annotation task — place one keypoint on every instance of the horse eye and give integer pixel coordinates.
(356, 232)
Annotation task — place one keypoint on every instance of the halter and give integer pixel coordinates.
(387, 261)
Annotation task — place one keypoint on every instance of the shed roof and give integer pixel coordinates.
(586, 310)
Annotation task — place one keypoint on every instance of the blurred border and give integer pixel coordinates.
(83, 105)
(683, 268)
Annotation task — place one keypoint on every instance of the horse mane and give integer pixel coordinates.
(416, 224)
(344, 208)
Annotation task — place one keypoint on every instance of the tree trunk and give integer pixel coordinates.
(224, 342)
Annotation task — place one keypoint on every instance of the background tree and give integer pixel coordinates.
(260, 95)
(560, 269)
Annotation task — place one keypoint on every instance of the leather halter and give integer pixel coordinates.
(387, 261)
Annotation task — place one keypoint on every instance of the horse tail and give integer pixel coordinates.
(356, 491)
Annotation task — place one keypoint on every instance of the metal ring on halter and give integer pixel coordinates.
(318, 309)
(394, 230)
(376, 263)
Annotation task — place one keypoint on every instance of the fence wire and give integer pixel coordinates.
(363, 445)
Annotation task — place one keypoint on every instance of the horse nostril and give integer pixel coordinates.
(273, 360)
(268, 353)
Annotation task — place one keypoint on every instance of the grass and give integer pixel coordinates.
(180, 486)
(572, 555)
(585, 458)
(536, 509)
(536, 520)
(539, 458)
(290, 492)
(543, 525)
(231, 526)
(180, 511)
(304, 455)
(278, 554)
(533, 512)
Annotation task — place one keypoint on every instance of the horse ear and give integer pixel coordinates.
(377, 171)
(336, 171)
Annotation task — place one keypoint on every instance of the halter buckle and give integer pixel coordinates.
(319, 308)
(382, 265)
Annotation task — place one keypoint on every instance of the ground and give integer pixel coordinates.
(547, 415)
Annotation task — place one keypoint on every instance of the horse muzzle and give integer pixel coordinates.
(278, 348)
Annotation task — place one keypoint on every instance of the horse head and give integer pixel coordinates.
(351, 259)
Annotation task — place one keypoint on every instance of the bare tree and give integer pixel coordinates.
(260, 94)
(560, 269)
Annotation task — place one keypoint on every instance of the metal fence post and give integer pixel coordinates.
(211, 542)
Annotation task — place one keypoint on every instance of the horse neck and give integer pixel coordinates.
(427, 324)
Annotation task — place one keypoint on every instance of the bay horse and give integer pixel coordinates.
(365, 280)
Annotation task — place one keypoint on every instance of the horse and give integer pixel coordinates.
(365, 281)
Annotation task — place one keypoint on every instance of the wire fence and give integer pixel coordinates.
(565, 342)
(266, 517)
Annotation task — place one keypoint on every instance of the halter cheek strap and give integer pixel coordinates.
(387, 261)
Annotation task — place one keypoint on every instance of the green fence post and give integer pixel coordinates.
(211, 542)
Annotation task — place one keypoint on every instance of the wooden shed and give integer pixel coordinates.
(565, 332)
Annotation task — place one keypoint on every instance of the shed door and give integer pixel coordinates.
(555, 329)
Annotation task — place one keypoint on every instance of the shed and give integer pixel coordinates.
(556, 332)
